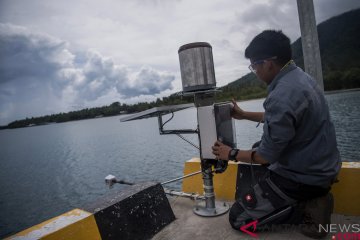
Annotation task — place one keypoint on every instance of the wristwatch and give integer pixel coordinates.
(232, 154)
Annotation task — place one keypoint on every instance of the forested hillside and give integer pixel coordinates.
(339, 40)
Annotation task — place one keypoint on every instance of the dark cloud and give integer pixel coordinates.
(39, 74)
(98, 76)
(283, 14)
(260, 16)
(26, 55)
(28, 66)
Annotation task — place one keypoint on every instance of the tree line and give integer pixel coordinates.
(117, 108)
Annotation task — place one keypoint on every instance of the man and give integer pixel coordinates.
(298, 142)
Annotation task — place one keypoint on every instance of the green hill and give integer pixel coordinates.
(340, 54)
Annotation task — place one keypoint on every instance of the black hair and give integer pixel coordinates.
(270, 43)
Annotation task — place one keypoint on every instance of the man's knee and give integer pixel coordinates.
(258, 202)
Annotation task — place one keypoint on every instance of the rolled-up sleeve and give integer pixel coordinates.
(279, 130)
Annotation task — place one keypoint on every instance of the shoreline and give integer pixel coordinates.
(342, 90)
(243, 100)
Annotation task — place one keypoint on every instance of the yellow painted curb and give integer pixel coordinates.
(75, 224)
(346, 192)
(224, 184)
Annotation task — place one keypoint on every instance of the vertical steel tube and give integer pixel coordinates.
(310, 41)
(208, 185)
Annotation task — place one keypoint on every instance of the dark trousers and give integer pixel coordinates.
(271, 193)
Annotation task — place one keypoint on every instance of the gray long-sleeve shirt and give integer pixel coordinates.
(299, 138)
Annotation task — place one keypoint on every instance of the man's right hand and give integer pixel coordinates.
(236, 111)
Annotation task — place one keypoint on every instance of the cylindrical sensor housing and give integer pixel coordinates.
(197, 67)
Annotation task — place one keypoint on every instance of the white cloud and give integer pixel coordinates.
(140, 40)
(40, 75)
(146, 82)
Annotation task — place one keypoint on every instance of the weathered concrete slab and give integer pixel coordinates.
(190, 226)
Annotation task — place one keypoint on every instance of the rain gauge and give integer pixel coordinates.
(214, 120)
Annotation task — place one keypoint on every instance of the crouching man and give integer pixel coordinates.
(298, 142)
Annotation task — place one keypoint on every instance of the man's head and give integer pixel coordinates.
(268, 53)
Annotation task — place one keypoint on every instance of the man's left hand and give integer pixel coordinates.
(221, 151)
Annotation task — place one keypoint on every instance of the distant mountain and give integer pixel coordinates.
(339, 40)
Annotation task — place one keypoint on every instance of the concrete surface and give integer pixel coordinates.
(190, 226)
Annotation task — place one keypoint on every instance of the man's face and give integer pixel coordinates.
(263, 69)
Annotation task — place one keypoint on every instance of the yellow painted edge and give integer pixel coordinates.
(350, 165)
(86, 229)
(346, 192)
(52, 225)
(224, 184)
(192, 184)
(196, 160)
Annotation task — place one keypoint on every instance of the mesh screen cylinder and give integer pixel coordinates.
(197, 67)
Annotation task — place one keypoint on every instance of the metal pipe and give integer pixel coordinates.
(179, 178)
(209, 188)
(124, 182)
(192, 196)
(174, 131)
(160, 123)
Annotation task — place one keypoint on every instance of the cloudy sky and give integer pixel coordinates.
(59, 56)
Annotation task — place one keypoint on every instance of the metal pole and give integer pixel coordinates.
(211, 207)
(182, 194)
(179, 178)
(208, 187)
(310, 41)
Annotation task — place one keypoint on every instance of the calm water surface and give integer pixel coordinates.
(48, 170)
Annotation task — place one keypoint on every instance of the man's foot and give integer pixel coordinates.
(317, 213)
